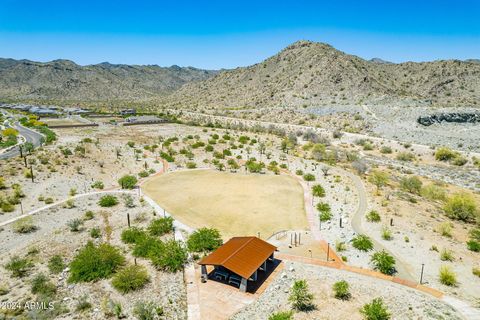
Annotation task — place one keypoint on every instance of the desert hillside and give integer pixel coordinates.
(63, 80)
(314, 74)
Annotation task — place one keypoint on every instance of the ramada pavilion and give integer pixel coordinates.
(238, 261)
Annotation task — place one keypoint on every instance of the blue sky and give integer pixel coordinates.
(227, 34)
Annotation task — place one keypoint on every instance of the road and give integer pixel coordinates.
(30, 136)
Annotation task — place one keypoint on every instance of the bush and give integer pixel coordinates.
(386, 234)
(133, 235)
(411, 184)
(56, 264)
(83, 304)
(161, 226)
(95, 262)
(89, 215)
(340, 246)
(300, 297)
(95, 233)
(476, 271)
(191, 165)
(341, 290)
(24, 225)
(461, 206)
(130, 278)
(308, 177)
(445, 154)
(362, 242)
(18, 266)
(75, 225)
(446, 255)
(473, 245)
(318, 191)
(147, 310)
(282, 315)
(447, 276)
(445, 229)
(127, 182)
(383, 262)
(204, 240)
(98, 185)
(405, 156)
(325, 216)
(41, 285)
(385, 150)
(108, 201)
(375, 310)
(172, 258)
(373, 216)
(146, 246)
(433, 192)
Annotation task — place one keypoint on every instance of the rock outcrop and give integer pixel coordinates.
(449, 117)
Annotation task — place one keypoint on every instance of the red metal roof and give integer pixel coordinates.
(242, 255)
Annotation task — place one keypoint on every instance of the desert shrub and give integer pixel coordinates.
(433, 192)
(325, 216)
(386, 234)
(340, 246)
(281, 315)
(108, 201)
(308, 177)
(383, 262)
(146, 246)
(130, 278)
(147, 310)
(445, 229)
(167, 157)
(446, 255)
(373, 216)
(299, 172)
(127, 182)
(75, 225)
(128, 201)
(411, 184)
(474, 233)
(95, 262)
(56, 264)
(132, 235)
(204, 240)
(18, 266)
(447, 276)
(318, 191)
(405, 156)
(49, 200)
(476, 271)
(83, 304)
(341, 290)
(191, 165)
(172, 258)
(95, 233)
(445, 154)
(461, 206)
(362, 242)
(7, 207)
(459, 160)
(375, 310)
(98, 185)
(385, 150)
(69, 204)
(41, 285)
(300, 297)
(378, 178)
(160, 226)
(473, 245)
(24, 225)
(89, 215)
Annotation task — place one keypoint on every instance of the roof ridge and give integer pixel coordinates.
(239, 248)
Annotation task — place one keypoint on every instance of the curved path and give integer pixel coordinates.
(30, 136)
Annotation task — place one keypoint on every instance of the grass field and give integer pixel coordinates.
(236, 204)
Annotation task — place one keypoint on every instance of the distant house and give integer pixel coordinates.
(126, 112)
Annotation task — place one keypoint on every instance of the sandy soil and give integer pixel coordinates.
(236, 204)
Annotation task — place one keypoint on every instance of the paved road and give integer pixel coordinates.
(30, 136)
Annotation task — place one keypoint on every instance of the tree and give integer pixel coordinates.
(461, 206)
(300, 297)
(204, 240)
(379, 179)
(375, 310)
(383, 262)
(127, 182)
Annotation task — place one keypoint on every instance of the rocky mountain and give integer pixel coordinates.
(315, 74)
(63, 80)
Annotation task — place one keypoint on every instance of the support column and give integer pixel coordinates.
(243, 285)
(264, 266)
(204, 273)
(255, 275)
